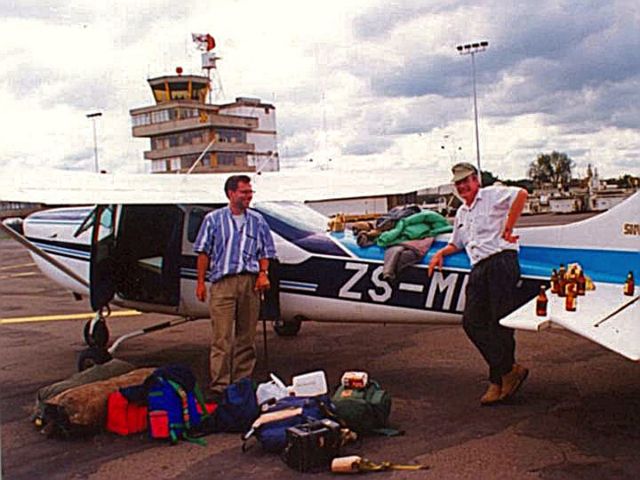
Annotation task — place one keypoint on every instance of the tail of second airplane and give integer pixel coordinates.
(606, 245)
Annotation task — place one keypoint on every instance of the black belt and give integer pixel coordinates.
(496, 255)
(238, 274)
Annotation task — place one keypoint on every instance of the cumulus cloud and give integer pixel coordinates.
(361, 83)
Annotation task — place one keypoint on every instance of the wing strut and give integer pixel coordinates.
(38, 251)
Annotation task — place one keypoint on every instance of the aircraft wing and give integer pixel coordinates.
(604, 316)
(65, 187)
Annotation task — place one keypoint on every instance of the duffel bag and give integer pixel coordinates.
(270, 428)
(364, 410)
(84, 408)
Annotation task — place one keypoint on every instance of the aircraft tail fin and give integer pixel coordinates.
(616, 229)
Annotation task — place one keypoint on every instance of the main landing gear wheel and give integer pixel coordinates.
(92, 356)
(290, 328)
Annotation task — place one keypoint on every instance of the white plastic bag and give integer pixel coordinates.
(271, 391)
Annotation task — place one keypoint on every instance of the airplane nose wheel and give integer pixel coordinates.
(96, 336)
(96, 332)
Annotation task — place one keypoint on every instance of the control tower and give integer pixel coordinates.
(184, 129)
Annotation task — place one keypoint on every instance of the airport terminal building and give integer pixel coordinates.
(235, 137)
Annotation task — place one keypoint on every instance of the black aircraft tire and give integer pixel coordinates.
(289, 328)
(92, 356)
(100, 337)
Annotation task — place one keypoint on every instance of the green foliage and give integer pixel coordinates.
(627, 181)
(488, 178)
(522, 183)
(554, 168)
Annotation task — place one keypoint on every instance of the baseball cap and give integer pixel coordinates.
(462, 170)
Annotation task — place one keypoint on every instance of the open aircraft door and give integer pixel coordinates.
(102, 268)
(141, 267)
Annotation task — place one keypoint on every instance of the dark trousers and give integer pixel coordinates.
(490, 295)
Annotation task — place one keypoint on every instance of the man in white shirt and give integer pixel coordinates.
(484, 228)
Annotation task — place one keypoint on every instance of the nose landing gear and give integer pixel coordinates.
(96, 336)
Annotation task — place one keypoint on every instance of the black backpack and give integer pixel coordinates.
(389, 219)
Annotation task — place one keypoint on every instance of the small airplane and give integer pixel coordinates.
(135, 251)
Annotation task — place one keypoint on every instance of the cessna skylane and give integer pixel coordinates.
(131, 245)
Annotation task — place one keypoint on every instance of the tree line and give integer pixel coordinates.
(554, 168)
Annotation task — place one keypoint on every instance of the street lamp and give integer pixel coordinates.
(472, 49)
(93, 117)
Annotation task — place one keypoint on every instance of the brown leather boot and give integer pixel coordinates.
(513, 380)
(492, 395)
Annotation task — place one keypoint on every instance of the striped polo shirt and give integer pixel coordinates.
(232, 250)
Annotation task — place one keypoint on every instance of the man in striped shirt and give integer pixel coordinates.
(234, 246)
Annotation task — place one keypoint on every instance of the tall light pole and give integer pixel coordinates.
(93, 117)
(472, 49)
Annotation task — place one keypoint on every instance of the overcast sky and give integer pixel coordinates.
(361, 82)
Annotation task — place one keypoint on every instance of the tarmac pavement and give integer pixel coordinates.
(577, 416)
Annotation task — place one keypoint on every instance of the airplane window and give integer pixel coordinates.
(106, 221)
(295, 214)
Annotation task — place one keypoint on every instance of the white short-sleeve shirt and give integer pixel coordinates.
(478, 227)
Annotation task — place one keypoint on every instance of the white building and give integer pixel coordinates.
(265, 157)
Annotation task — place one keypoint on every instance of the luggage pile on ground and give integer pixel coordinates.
(78, 405)
(125, 400)
(302, 422)
(308, 427)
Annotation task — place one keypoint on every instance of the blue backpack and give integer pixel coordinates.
(176, 409)
(273, 435)
(238, 407)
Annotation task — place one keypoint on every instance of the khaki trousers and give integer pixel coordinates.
(234, 306)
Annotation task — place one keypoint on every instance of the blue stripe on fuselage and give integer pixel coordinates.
(601, 265)
(609, 266)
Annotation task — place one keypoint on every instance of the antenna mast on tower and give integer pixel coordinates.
(206, 43)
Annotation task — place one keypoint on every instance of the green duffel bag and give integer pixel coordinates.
(364, 410)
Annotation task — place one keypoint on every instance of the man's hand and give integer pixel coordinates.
(436, 261)
(262, 282)
(201, 291)
(509, 236)
(201, 268)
